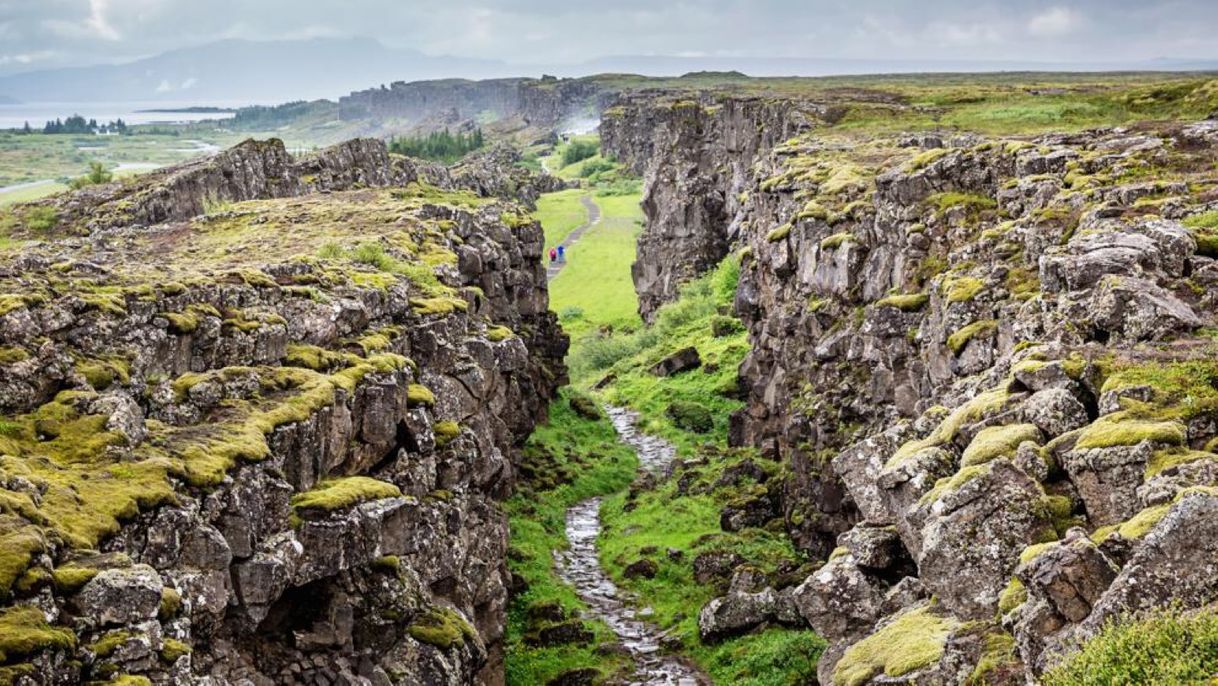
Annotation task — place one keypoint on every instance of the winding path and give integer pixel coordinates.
(580, 567)
(594, 216)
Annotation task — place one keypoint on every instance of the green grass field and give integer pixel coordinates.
(561, 213)
(595, 288)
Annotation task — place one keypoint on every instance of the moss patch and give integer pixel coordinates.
(341, 493)
(910, 642)
(441, 627)
(24, 631)
(961, 338)
(998, 441)
(1123, 429)
(912, 302)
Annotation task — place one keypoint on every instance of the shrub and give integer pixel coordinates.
(97, 174)
(691, 417)
(1166, 647)
(578, 151)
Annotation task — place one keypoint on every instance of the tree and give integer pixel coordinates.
(97, 174)
(26, 129)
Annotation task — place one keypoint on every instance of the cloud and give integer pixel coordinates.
(1055, 21)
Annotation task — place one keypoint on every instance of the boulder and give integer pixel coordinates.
(1054, 411)
(683, 360)
(975, 528)
(840, 600)
(120, 596)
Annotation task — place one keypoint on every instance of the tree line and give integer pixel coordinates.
(440, 146)
(77, 124)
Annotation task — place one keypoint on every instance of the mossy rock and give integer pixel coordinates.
(585, 407)
(420, 396)
(446, 432)
(24, 631)
(912, 641)
(441, 627)
(334, 494)
(690, 416)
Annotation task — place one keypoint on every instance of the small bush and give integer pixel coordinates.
(691, 417)
(1163, 648)
(578, 151)
(722, 325)
(41, 218)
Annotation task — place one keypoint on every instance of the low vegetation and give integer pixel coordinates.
(1166, 647)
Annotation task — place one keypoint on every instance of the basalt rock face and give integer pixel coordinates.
(695, 157)
(987, 367)
(267, 444)
(544, 102)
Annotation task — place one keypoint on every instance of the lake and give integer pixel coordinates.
(38, 114)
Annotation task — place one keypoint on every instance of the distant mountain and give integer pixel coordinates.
(245, 71)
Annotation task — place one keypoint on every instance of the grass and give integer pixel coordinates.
(687, 322)
(567, 460)
(560, 213)
(596, 280)
(1166, 647)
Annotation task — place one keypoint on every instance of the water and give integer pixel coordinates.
(38, 114)
(580, 567)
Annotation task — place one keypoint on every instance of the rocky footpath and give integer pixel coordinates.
(986, 363)
(256, 415)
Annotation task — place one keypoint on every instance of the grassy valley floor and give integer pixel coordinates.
(671, 523)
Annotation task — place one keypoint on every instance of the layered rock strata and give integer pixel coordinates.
(256, 415)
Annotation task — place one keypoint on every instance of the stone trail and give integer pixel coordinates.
(580, 567)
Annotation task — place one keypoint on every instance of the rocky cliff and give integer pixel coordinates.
(695, 154)
(256, 415)
(538, 102)
(986, 363)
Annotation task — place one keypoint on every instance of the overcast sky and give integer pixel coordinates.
(37, 34)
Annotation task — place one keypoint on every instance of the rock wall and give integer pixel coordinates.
(695, 156)
(544, 103)
(984, 362)
(266, 444)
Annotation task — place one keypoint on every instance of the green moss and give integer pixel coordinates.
(129, 680)
(102, 372)
(107, 644)
(813, 210)
(836, 241)
(971, 201)
(312, 357)
(13, 355)
(925, 159)
(1014, 595)
(173, 650)
(1173, 457)
(1164, 647)
(779, 233)
(912, 302)
(998, 441)
(439, 305)
(953, 483)
(982, 405)
(960, 289)
(1121, 429)
(418, 395)
(1136, 526)
(446, 432)
(910, 642)
(387, 563)
(340, 493)
(997, 651)
(70, 578)
(441, 627)
(496, 334)
(171, 603)
(1189, 388)
(961, 338)
(24, 631)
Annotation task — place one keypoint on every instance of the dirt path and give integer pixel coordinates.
(580, 567)
(594, 216)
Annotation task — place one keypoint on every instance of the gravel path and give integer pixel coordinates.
(594, 216)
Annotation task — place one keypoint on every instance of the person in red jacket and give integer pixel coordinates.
(553, 254)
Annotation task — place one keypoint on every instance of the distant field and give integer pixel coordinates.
(560, 214)
(596, 281)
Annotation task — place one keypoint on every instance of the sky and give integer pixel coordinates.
(40, 34)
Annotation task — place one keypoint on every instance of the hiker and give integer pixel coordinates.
(553, 255)
(562, 253)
